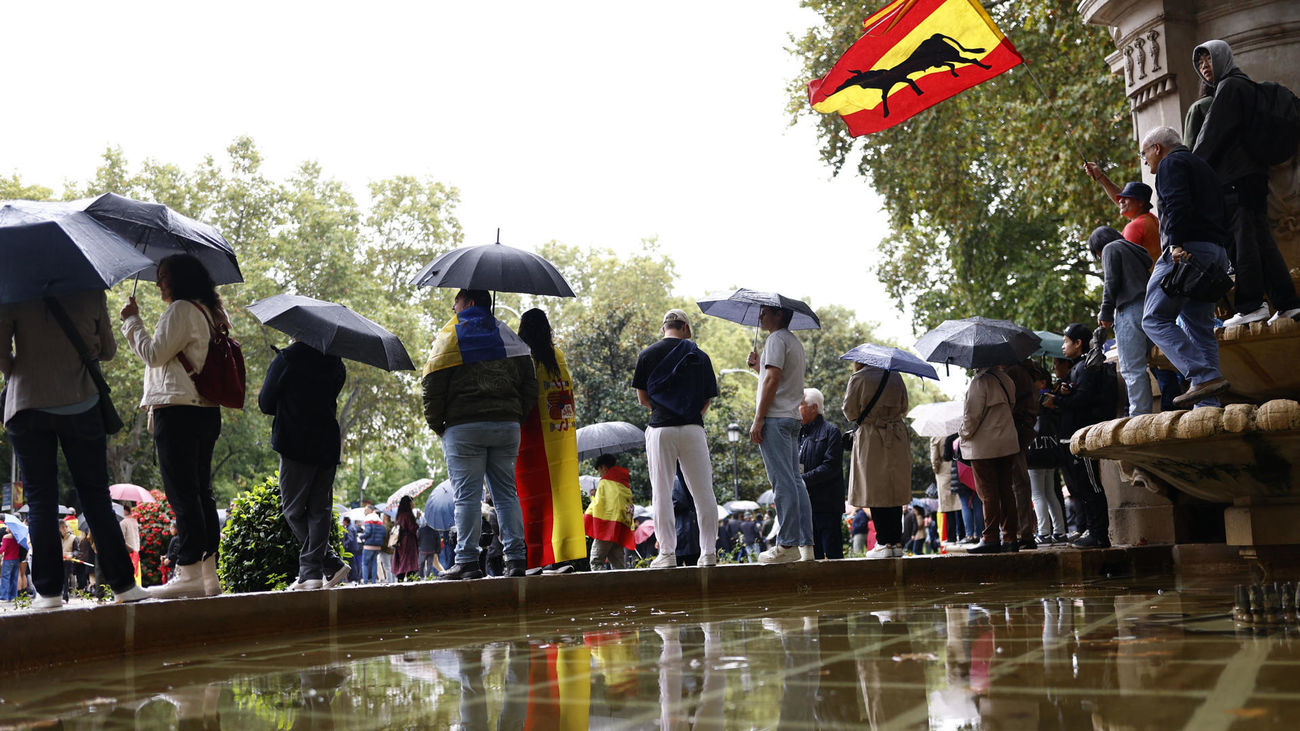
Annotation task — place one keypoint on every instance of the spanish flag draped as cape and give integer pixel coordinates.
(473, 335)
(546, 473)
(913, 54)
(609, 516)
(559, 687)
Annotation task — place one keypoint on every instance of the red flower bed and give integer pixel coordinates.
(155, 533)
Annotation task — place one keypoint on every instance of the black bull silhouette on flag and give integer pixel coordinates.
(934, 52)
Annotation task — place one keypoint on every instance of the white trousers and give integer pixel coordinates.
(665, 448)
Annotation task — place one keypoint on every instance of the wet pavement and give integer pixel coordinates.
(1130, 654)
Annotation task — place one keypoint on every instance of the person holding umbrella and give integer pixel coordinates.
(880, 465)
(52, 402)
(989, 442)
(479, 386)
(301, 392)
(185, 425)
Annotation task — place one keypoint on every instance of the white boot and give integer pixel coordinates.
(211, 584)
(806, 553)
(186, 582)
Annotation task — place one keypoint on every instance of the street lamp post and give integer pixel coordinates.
(733, 436)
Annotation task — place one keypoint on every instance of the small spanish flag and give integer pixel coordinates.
(473, 335)
(913, 54)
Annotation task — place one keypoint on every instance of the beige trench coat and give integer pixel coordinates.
(880, 469)
(948, 500)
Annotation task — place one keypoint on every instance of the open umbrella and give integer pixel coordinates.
(977, 342)
(723, 512)
(50, 250)
(643, 531)
(1050, 345)
(356, 515)
(494, 267)
(588, 483)
(160, 232)
(938, 419)
(742, 306)
(609, 437)
(411, 489)
(740, 505)
(127, 491)
(767, 498)
(333, 329)
(890, 359)
(640, 511)
(17, 527)
(440, 508)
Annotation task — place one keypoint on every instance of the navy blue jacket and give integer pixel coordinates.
(301, 391)
(821, 452)
(1191, 200)
(372, 534)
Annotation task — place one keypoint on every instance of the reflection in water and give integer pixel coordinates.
(974, 658)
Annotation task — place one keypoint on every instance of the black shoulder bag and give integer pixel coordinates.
(112, 422)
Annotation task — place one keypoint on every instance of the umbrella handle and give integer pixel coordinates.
(136, 283)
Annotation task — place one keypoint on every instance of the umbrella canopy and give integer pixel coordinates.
(640, 511)
(440, 508)
(938, 419)
(742, 306)
(53, 250)
(1050, 345)
(333, 329)
(356, 515)
(588, 483)
(495, 267)
(160, 232)
(410, 489)
(17, 527)
(740, 505)
(767, 498)
(643, 531)
(723, 512)
(977, 342)
(609, 437)
(890, 359)
(127, 491)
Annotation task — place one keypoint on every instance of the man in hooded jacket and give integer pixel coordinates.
(1261, 270)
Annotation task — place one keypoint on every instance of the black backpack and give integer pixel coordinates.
(1274, 130)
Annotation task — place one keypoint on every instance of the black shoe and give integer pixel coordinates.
(1012, 547)
(461, 571)
(1027, 544)
(1090, 541)
(515, 569)
(985, 548)
(970, 540)
(1059, 538)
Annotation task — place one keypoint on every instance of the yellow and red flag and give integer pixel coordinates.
(546, 472)
(913, 54)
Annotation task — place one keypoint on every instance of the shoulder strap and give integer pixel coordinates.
(212, 333)
(65, 322)
(879, 390)
(1010, 401)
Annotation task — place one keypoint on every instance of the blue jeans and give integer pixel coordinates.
(972, 512)
(369, 566)
(474, 451)
(780, 450)
(9, 579)
(1192, 348)
(1132, 346)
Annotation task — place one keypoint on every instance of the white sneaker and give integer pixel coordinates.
(186, 583)
(1290, 314)
(1245, 318)
(211, 584)
(806, 553)
(42, 603)
(664, 561)
(883, 550)
(339, 577)
(134, 594)
(308, 585)
(779, 554)
(707, 559)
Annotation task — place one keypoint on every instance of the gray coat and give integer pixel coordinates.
(1127, 267)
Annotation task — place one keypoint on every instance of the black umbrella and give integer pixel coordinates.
(495, 267)
(977, 342)
(333, 329)
(161, 232)
(742, 306)
(609, 437)
(53, 249)
(890, 359)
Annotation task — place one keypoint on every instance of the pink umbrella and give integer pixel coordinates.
(127, 491)
(643, 531)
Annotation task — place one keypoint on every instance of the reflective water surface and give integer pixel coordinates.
(997, 656)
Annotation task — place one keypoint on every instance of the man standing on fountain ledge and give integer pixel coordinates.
(1192, 227)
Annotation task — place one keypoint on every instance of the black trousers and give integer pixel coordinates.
(889, 525)
(1260, 267)
(1084, 482)
(828, 541)
(185, 437)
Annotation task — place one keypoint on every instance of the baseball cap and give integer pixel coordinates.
(1138, 191)
(676, 315)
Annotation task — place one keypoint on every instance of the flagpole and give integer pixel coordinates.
(1030, 68)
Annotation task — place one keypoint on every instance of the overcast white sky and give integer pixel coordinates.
(592, 123)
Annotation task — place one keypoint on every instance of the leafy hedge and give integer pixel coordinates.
(155, 533)
(258, 551)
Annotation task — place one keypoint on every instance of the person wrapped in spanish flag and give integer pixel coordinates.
(609, 517)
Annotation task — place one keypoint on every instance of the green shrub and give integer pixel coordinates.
(258, 551)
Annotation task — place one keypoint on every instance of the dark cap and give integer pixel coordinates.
(1137, 191)
(1077, 331)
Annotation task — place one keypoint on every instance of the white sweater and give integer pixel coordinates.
(181, 327)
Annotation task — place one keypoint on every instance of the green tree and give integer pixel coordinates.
(986, 197)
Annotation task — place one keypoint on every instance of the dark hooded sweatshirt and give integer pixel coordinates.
(1127, 268)
(1220, 140)
(301, 391)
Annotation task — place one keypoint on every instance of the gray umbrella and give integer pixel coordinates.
(610, 437)
(52, 249)
(890, 359)
(160, 232)
(742, 306)
(494, 267)
(333, 329)
(977, 342)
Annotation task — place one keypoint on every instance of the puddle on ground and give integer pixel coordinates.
(1106, 655)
